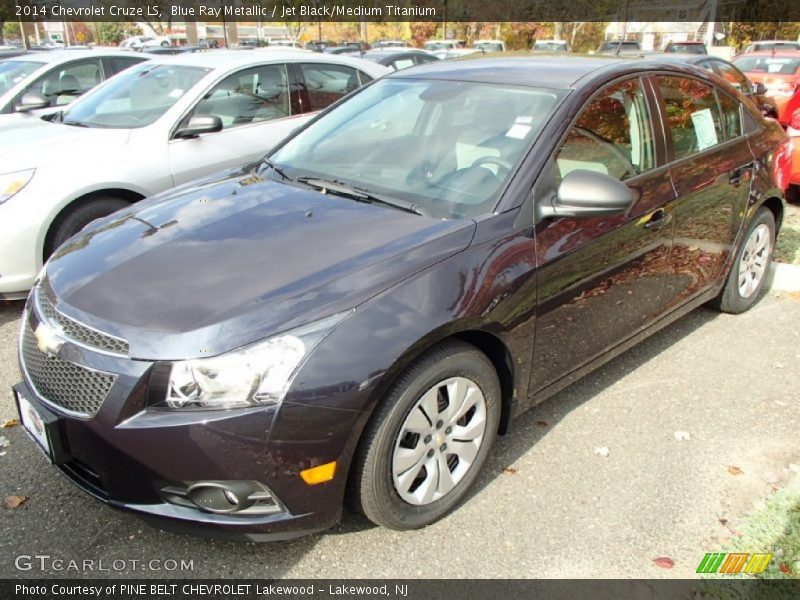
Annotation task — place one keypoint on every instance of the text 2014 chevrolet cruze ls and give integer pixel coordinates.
(360, 313)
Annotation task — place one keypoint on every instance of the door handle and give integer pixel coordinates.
(657, 220)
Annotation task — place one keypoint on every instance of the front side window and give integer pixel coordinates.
(733, 76)
(327, 83)
(731, 117)
(120, 63)
(612, 136)
(249, 96)
(13, 72)
(65, 83)
(691, 115)
(136, 97)
(448, 147)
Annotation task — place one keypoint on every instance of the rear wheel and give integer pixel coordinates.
(745, 283)
(429, 438)
(71, 222)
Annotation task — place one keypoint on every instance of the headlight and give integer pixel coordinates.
(255, 375)
(11, 183)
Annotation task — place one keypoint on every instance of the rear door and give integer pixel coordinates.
(600, 280)
(711, 168)
(256, 112)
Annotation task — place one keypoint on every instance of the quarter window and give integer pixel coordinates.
(327, 83)
(612, 136)
(249, 96)
(691, 114)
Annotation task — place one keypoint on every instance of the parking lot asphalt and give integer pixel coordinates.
(700, 423)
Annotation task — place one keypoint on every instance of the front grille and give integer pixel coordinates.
(78, 332)
(72, 387)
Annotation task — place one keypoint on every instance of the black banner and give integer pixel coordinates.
(289, 11)
(433, 589)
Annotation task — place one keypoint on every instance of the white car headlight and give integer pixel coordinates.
(256, 375)
(11, 183)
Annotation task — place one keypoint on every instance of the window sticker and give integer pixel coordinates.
(518, 131)
(704, 129)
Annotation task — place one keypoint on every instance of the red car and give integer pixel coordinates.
(793, 108)
(779, 72)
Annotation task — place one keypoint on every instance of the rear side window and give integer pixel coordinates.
(691, 114)
(731, 117)
(327, 83)
(612, 135)
(120, 63)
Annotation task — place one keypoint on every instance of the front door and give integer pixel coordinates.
(600, 280)
(256, 113)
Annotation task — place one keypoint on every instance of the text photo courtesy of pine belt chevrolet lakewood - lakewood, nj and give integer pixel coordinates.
(278, 280)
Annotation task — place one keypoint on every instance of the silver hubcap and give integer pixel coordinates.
(439, 440)
(755, 258)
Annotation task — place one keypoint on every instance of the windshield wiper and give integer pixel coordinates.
(75, 123)
(340, 188)
(267, 162)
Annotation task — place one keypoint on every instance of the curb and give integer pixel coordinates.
(784, 277)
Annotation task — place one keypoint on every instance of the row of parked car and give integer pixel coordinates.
(394, 265)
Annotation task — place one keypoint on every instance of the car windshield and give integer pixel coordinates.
(490, 46)
(777, 65)
(447, 147)
(14, 71)
(135, 98)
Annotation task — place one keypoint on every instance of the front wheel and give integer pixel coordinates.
(74, 219)
(428, 439)
(750, 268)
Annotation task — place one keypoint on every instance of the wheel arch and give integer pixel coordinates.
(126, 194)
(775, 205)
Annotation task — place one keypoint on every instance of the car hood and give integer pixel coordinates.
(32, 142)
(236, 259)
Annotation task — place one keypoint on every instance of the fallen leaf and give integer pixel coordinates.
(14, 501)
(783, 568)
(682, 436)
(723, 521)
(509, 470)
(735, 470)
(603, 451)
(9, 423)
(542, 424)
(664, 562)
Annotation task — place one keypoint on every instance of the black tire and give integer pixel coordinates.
(730, 299)
(165, 44)
(793, 194)
(371, 486)
(76, 218)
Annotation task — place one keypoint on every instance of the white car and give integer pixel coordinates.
(154, 126)
(53, 79)
(137, 42)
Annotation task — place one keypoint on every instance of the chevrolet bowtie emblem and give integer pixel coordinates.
(47, 339)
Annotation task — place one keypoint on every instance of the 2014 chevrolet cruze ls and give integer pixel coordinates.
(359, 314)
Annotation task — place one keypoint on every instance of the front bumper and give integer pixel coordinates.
(130, 457)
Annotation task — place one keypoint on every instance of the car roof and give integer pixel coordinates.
(551, 71)
(229, 59)
(53, 57)
(391, 51)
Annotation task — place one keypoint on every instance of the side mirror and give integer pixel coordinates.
(198, 125)
(588, 194)
(759, 89)
(31, 101)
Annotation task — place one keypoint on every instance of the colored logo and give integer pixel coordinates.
(733, 563)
